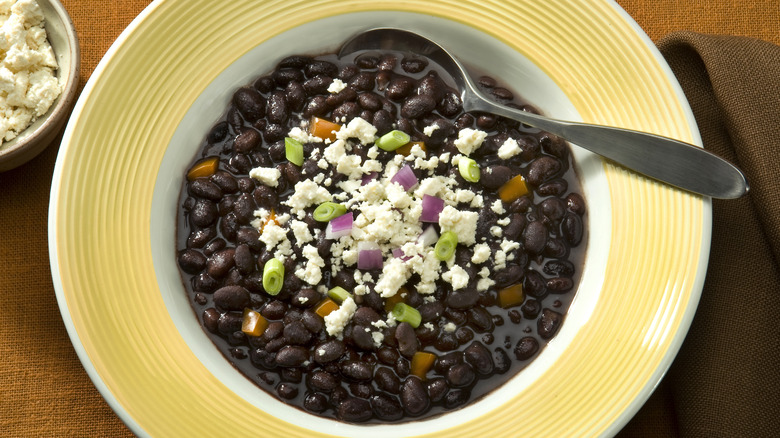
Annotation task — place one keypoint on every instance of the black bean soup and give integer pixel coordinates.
(378, 284)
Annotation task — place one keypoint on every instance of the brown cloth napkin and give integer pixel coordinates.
(725, 382)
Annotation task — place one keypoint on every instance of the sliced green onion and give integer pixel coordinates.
(327, 211)
(405, 313)
(273, 276)
(392, 140)
(339, 294)
(469, 169)
(445, 246)
(293, 150)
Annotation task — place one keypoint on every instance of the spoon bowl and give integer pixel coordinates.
(671, 161)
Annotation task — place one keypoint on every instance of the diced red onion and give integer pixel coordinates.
(369, 256)
(428, 237)
(405, 177)
(340, 226)
(431, 207)
(400, 254)
(367, 178)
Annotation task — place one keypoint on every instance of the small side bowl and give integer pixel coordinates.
(64, 41)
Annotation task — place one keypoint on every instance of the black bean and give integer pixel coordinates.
(534, 284)
(407, 339)
(192, 261)
(294, 62)
(365, 316)
(328, 351)
(432, 85)
(413, 65)
(554, 187)
(417, 106)
(575, 203)
(229, 226)
(247, 140)
(447, 342)
(508, 276)
(361, 390)
(204, 213)
(531, 308)
(295, 333)
(501, 361)
(276, 108)
(355, 410)
(203, 282)
(244, 208)
(361, 337)
(386, 380)
(502, 93)
(204, 188)
(292, 356)
(526, 348)
(363, 81)
(414, 397)
(316, 106)
(480, 358)
(487, 122)
(543, 169)
(480, 319)
(220, 263)
(387, 355)
(559, 285)
(369, 101)
(210, 318)
(556, 248)
(521, 205)
(431, 311)
(250, 103)
(450, 105)
(402, 366)
(274, 132)
(455, 398)
(571, 229)
(319, 67)
(265, 197)
(274, 310)
(312, 321)
(346, 111)
(225, 181)
(244, 259)
(345, 95)
(317, 84)
(487, 82)
(230, 322)
(323, 381)
(315, 402)
(399, 88)
(304, 298)
(495, 176)
(295, 95)
(460, 375)
(285, 75)
(367, 61)
(548, 323)
(427, 333)
(516, 226)
(199, 238)
(386, 407)
(217, 133)
(559, 268)
(534, 237)
(356, 370)
(462, 299)
(231, 298)
(464, 335)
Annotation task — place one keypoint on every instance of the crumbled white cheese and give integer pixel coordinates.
(311, 272)
(266, 175)
(28, 85)
(336, 86)
(469, 140)
(481, 253)
(307, 193)
(484, 284)
(496, 231)
(359, 129)
(509, 149)
(428, 130)
(335, 151)
(504, 221)
(509, 245)
(498, 207)
(457, 277)
(463, 223)
(304, 136)
(272, 235)
(394, 275)
(336, 320)
(450, 327)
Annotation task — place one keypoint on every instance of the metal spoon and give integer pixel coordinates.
(671, 161)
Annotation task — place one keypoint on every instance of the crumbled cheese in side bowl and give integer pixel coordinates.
(28, 84)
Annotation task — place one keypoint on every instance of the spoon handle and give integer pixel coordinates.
(672, 161)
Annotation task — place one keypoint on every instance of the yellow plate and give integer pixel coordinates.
(168, 78)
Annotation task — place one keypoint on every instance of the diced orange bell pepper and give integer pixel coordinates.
(395, 299)
(406, 149)
(422, 362)
(323, 129)
(203, 168)
(325, 307)
(511, 296)
(254, 324)
(513, 189)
